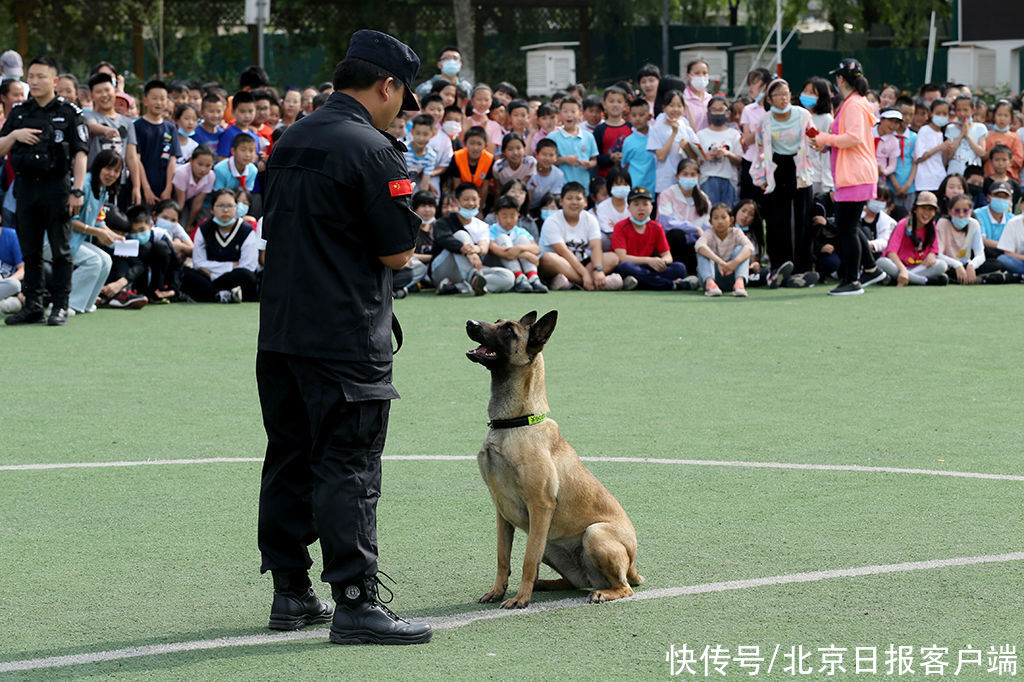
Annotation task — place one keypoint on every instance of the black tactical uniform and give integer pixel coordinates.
(325, 335)
(41, 188)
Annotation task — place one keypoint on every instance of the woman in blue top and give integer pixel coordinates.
(89, 232)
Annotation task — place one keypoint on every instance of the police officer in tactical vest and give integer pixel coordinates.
(338, 221)
(48, 141)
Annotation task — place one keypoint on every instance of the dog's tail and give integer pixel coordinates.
(633, 575)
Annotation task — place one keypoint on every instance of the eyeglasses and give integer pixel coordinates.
(960, 212)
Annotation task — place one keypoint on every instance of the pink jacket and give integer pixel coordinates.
(854, 143)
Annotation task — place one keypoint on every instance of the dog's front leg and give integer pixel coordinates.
(541, 512)
(506, 532)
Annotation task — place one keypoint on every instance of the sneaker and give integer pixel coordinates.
(224, 296)
(739, 289)
(811, 278)
(938, 280)
(711, 289)
(994, 278)
(479, 284)
(612, 282)
(629, 282)
(236, 295)
(538, 287)
(848, 289)
(10, 305)
(690, 283)
(560, 283)
(361, 617)
(523, 285)
(795, 282)
(126, 298)
(446, 287)
(780, 275)
(400, 292)
(26, 316)
(873, 276)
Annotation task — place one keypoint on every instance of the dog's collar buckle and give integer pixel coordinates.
(525, 420)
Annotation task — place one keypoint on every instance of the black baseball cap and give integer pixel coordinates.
(390, 54)
(1001, 187)
(639, 192)
(849, 69)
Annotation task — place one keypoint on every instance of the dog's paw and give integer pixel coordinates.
(491, 597)
(516, 602)
(597, 597)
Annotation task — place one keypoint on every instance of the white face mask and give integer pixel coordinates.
(451, 128)
(700, 82)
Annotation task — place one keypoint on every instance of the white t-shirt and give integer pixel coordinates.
(964, 156)
(478, 230)
(719, 139)
(608, 217)
(576, 238)
(932, 171)
(660, 132)
(1013, 236)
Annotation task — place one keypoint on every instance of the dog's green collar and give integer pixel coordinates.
(525, 420)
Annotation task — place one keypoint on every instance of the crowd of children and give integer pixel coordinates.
(655, 183)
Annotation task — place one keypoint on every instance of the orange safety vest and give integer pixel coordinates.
(482, 166)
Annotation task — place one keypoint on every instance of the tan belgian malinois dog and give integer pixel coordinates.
(537, 480)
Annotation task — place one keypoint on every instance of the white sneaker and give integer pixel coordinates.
(612, 282)
(560, 283)
(224, 296)
(236, 295)
(11, 304)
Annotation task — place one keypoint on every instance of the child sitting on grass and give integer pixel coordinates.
(513, 248)
(645, 260)
(723, 255)
(912, 255)
(570, 242)
(959, 238)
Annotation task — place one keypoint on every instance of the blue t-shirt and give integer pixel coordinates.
(211, 139)
(989, 228)
(228, 136)
(642, 163)
(582, 145)
(905, 163)
(10, 252)
(157, 144)
(223, 177)
(515, 233)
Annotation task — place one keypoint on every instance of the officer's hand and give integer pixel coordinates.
(74, 204)
(27, 136)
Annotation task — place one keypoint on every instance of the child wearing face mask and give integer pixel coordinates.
(968, 136)
(696, 95)
(875, 221)
(815, 98)
(750, 121)
(614, 209)
(1000, 158)
(960, 243)
(414, 276)
(645, 259)
(931, 151)
(912, 254)
(684, 212)
(1000, 134)
(722, 154)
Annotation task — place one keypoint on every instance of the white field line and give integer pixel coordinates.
(621, 460)
(462, 619)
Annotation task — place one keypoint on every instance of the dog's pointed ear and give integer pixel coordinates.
(528, 319)
(540, 332)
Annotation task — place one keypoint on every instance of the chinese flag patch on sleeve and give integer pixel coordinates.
(400, 188)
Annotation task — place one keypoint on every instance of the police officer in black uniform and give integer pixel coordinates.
(47, 139)
(338, 221)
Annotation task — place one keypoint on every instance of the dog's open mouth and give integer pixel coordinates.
(481, 352)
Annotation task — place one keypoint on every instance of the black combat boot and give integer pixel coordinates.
(295, 605)
(362, 618)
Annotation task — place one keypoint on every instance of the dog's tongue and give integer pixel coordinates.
(483, 349)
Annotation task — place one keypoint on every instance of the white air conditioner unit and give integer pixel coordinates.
(717, 59)
(549, 67)
(972, 64)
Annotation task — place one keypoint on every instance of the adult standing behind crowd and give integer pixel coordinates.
(337, 222)
(854, 170)
(47, 139)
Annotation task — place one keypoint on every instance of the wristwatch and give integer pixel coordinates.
(77, 193)
(598, 268)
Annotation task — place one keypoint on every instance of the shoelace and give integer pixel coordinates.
(373, 586)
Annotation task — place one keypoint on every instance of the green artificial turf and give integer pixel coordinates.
(101, 559)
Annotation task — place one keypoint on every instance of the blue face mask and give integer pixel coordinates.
(998, 205)
(619, 191)
(224, 223)
(760, 96)
(960, 222)
(1001, 129)
(468, 213)
(785, 110)
(687, 183)
(640, 223)
(876, 205)
(241, 210)
(165, 224)
(940, 121)
(808, 101)
(141, 237)
(184, 134)
(742, 227)
(450, 67)
(546, 213)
